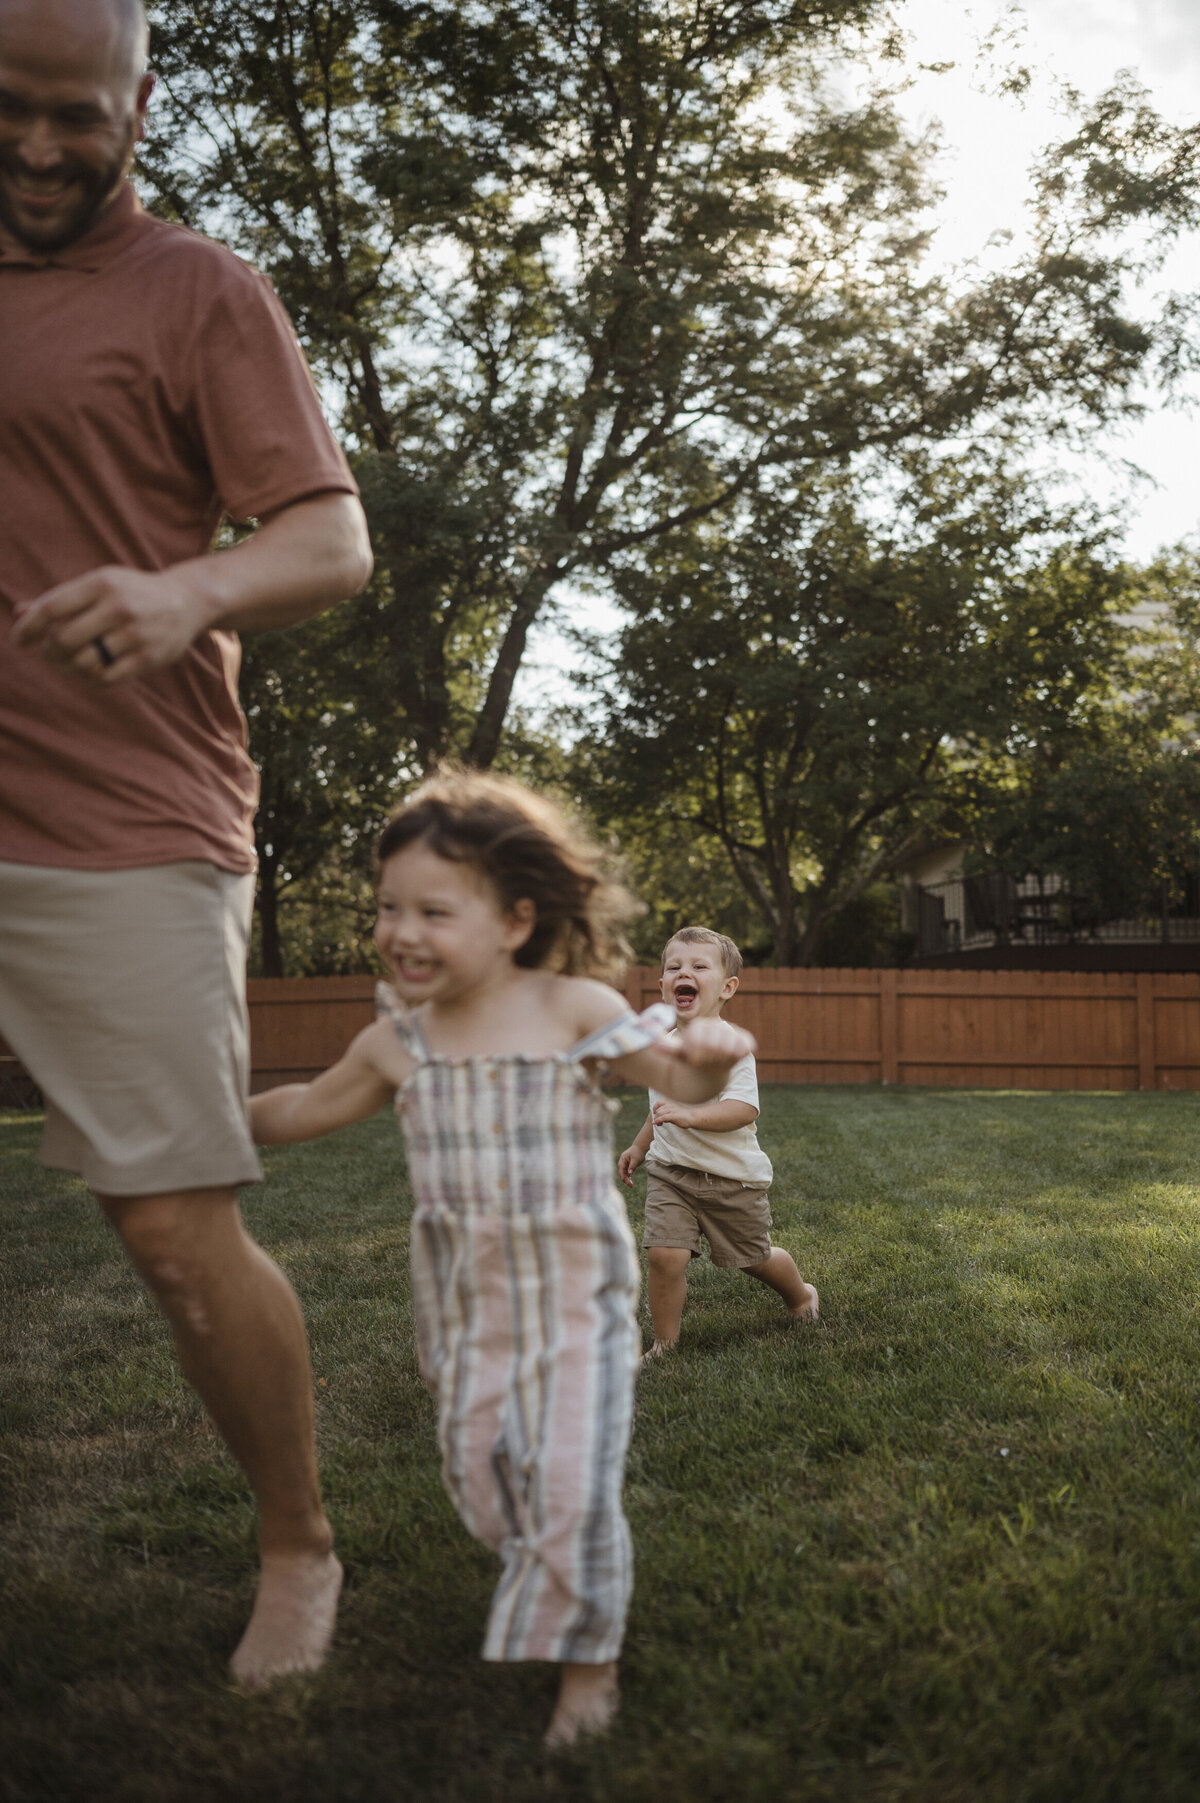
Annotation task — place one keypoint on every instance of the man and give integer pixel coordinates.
(149, 383)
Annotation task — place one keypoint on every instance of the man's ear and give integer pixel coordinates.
(522, 918)
(145, 89)
(728, 987)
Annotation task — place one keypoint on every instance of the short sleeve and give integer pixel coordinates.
(741, 1085)
(265, 438)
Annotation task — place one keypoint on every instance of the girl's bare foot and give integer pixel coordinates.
(587, 1703)
(659, 1347)
(292, 1622)
(809, 1308)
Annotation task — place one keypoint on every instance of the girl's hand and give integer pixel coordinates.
(628, 1163)
(709, 1044)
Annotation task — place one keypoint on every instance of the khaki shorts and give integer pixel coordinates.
(682, 1204)
(123, 994)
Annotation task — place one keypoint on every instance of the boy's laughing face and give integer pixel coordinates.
(694, 980)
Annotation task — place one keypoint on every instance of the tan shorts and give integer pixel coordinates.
(123, 994)
(682, 1204)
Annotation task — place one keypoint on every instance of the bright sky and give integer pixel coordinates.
(990, 144)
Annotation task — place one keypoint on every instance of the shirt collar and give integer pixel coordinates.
(121, 221)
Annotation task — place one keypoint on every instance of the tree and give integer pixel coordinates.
(812, 690)
(327, 779)
(581, 275)
(1113, 810)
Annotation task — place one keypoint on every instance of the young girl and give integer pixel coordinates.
(524, 1272)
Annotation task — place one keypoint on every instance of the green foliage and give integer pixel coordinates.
(579, 275)
(823, 688)
(941, 1546)
(1113, 810)
(578, 279)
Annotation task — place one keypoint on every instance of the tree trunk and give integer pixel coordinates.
(268, 918)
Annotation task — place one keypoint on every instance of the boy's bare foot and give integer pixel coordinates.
(292, 1622)
(809, 1308)
(657, 1350)
(587, 1703)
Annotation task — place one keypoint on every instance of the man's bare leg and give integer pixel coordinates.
(241, 1343)
(666, 1288)
(587, 1703)
(778, 1271)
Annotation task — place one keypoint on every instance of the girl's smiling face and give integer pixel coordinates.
(441, 927)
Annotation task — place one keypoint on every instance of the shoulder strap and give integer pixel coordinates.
(389, 1003)
(629, 1032)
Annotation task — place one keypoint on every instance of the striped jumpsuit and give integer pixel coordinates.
(525, 1282)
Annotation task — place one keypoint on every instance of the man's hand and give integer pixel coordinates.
(114, 624)
(628, 1163)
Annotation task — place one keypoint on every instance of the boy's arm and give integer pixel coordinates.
(353, 1089)
(635, 1154)
(710, 1117)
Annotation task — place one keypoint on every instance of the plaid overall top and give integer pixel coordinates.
(525, 1282)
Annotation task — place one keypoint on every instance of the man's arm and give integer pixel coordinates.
(301, 560)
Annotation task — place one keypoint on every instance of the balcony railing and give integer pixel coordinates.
(973, 912)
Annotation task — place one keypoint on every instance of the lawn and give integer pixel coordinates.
(945, 1545)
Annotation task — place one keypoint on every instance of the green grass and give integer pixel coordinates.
(943, 1546)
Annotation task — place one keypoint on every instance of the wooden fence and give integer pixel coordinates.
(1011, 1029)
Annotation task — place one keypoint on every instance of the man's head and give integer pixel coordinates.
(73, 94)
(699, 973)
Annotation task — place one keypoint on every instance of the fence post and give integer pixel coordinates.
(1147, 1064)
(889, 1027)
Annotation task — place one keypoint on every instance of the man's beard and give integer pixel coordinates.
(96, 187)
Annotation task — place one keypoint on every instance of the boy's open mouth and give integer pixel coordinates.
(685, 994)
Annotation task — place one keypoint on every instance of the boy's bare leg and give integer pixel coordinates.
(587, 1703)
(778, 1271)
(241, 1343)
(666, 1288)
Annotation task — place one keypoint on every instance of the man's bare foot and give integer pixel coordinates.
(292, 1622)
(658, 1349)
(587, 1703)
(809, 1308)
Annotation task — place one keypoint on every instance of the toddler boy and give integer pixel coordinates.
(705, 1171)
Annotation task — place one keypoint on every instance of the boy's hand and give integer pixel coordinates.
(677, 1114)
(715, 1044)
(628, 1163)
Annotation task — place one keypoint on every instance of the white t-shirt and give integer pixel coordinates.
(733, 1154)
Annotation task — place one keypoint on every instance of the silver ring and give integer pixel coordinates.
(106, 656)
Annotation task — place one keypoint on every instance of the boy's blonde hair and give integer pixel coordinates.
(730, 955)
(528, 849)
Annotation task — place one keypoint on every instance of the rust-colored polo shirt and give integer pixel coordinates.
(149, 383)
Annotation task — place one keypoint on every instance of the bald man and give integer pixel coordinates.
(149, 385)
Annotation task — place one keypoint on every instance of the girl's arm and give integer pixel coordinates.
(691, 1068)
(353, 1089)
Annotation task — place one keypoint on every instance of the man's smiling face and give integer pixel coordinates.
(694, 980)
(72, 108)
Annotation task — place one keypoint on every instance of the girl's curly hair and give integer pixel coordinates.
(528, 849)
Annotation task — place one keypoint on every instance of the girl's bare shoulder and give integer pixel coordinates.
(587, 1004)
(380, 1046)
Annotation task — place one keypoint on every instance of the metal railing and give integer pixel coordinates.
(973, 912)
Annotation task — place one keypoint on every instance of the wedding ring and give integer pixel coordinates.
(106, 656)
